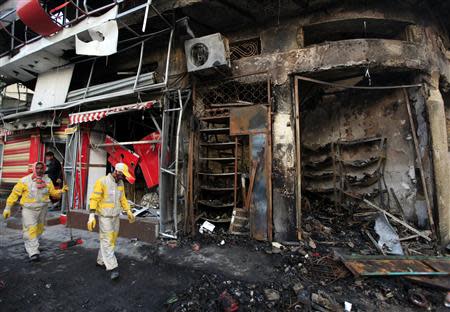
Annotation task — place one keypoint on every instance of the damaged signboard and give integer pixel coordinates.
(119, 153)
(149, 158)
(34, 16)
(100, 40)
(248, 120)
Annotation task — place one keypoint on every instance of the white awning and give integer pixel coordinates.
(99, 114)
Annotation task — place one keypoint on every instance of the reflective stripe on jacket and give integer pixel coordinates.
(108, 198)
(30, 195)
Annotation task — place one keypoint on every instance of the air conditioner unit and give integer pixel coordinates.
(208, 54)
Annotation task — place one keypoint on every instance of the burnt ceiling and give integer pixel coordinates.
(231, 15)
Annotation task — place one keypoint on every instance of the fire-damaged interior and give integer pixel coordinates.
(348, 155)
(345, 148)
(128, 138)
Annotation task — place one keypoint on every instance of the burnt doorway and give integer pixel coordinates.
(232, 167)
(354, 142)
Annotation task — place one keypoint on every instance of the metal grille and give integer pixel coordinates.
(245, 48)
(231, 91)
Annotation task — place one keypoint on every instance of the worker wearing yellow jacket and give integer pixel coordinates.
(34, 191)
(107, 201)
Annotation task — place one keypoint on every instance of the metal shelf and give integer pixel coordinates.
(216, 189)
(223, 119)
(223, 174)
(215, 205)
(219, 145)
(218, 159)
(215, 131)
(227, 220)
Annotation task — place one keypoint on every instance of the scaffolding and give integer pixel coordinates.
(174, 106)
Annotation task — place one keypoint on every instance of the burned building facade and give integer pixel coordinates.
(237, 112)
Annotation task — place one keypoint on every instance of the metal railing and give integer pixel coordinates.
(76, 15)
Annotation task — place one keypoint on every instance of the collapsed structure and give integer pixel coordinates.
(234, 112)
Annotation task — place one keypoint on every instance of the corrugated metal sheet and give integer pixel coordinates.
(16, 159)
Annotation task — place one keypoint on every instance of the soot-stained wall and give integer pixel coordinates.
(353, 115)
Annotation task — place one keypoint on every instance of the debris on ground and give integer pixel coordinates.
(301, 278)
(308, 274)
(228, 303)
(195, 247)
(447, 300)
(388, 236)
(207, 227)
(272, 294)
(418, 299)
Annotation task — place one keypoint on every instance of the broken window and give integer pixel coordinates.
(354, 29)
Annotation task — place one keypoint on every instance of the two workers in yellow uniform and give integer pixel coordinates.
(34, 191)
(107, 202)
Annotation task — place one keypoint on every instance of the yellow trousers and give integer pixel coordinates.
(108, 230)
(33, 221)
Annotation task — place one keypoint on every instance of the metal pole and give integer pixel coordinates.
(420, 164)
(85, 6)
(177, 143)
(13, 30)
(155, 122)
(139, 66)
(89, 79)
(298, 159)
(144, 25)
(80, 177)
(162, 152)
(126, 143)
(140, 7)
(69, 167)
(169, 49)
(160, 15)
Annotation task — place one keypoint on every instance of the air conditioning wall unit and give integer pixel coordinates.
(207, 55)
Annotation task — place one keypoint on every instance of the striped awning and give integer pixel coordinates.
(99, 114)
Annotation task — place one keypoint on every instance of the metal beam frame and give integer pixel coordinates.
(157, 86)
(170, 141)
(84, 15)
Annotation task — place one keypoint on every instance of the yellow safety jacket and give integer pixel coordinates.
(108, 198)
(31, 196)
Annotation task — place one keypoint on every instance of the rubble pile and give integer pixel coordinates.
(307, 274)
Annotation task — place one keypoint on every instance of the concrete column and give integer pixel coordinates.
(283, 168)
(438, 127)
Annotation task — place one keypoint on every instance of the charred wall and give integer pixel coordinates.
(338, 43)
(362, 115)
(384, 38)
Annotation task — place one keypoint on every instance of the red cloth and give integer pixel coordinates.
(38, 179)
